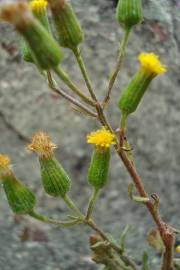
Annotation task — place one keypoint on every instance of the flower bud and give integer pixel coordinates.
(20, 198)
(25, 51)
(129, 12)
(55, 180)
(38, 8)
(69, 32)
(42, 46)
(131, 96)
(99, 166)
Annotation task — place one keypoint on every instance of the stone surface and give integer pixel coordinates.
(26, 105)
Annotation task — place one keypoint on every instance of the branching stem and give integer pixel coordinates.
(82, 67)
(72, 206)
(71, 99)
(48, 220)
(118, 66)
(65, 78)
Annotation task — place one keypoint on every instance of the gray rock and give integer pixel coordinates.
(26, 105)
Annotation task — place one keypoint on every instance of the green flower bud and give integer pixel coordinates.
(133, 93)
(129, 12)
(20, 198)
(99, 166)
(55, 180)
(42, 46)
(25, 51)
(38, 8)
(68, 29)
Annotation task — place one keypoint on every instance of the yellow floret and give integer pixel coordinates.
(178, 249)
(4, 161)
(41, 144)
(151, 63)
(101, 138)
(38, 5)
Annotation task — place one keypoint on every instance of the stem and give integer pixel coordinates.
(167, 262)
(118, 65)
(102, 117)
(91, 224)
(82, 67)
(118, 249)
(123, 120)
(91, 203)
(65, 78)
(48, 220)
(70, 98)
(140, 187)
(72, 206)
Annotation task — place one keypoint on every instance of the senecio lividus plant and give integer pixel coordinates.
(39, 47)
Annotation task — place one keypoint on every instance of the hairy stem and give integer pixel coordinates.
(91, 203)
(118, 65)
(65, 78)
(71, 99)
(82, 67)
(48, 220)
(72, 206)
(167, 261)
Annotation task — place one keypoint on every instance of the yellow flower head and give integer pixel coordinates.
(38, 6)
(4, 162)
(102, 138)
(178, 249)
(151, 63)
(41, 144)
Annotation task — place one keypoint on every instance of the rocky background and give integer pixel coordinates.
(26, 105)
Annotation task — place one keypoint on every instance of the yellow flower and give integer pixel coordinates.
(4, 162)
(38, 5)
(178, 249)
(102, 138)
(151, 63)
(41, 144)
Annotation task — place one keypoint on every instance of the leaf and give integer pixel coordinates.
(155, 241)
(123, 236)
(145, 258)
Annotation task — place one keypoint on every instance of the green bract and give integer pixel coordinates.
(55, 180)
(43, 47)
(99, 167)
(133, 93)
(129, 12)
(20, 198)
(69, 32)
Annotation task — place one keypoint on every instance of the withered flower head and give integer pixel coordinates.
(57, 4)
(17, 14)
(41, 144)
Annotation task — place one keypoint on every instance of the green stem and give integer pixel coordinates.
(123, 121)
(72, 206)
(91, 203)
(65, 78)
(48, 220)
(71, 99)
(122, 49)
(82, 67)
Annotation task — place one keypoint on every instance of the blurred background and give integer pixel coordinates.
(26, 106)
